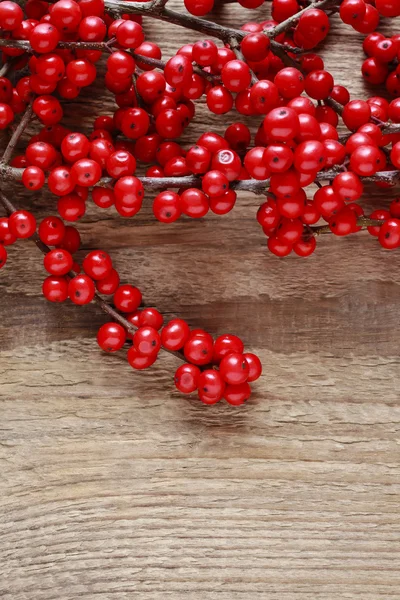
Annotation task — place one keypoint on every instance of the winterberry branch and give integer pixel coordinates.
(102, 47)
(107, 308)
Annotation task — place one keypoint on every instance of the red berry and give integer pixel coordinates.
(211, 386)
(109, 284)
(226, 344)
(198, 350)
(150, 317)
(147, 341)
(127, 298)
(58, 262)
(237, 394)
(111, 337)
(55, 289)
(81, 290)
(166, 207)
(97, 265)
(234, 368)
(236, 75)
(175, 334)
(138, 361)
(186, 378)
(194, 203)
(22, 224)
(255, 367)
(3, 256)
(281, 124)
(7, 238)
(389, 234)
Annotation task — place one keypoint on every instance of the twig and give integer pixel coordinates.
(104, 47)
(291, 21)
(107, 308)
(16, 135)
(235, 46)
(363, 222)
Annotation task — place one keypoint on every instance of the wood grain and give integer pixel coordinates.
(114, 486)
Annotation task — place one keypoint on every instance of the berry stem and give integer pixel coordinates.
(27, 116)
(291, 21)
(105, 307)
(102, 47)
(361, 222)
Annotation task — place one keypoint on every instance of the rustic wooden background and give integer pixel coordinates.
(114, 486)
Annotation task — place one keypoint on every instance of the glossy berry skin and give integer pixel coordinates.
(198, 350)
(3, 256)
(147, 341)
(33, 178)
(186, 378)
(221, 205)
(309, 157)
(41, 154)
(236, 75)
(127, 298)
(109, 284)
(215, 183)
(22, 224)
(71, 207)
(151, 317)
(236, 395)
(228, 163)
(193, 203)
(166, 207)
(389, 234)
(58, 262)
(85, 172)
(55, 289)
(60, 181)
(7, 238)
(290, 82)
(71, 240)
(139, 362)
(74, 147)
(211, 386)
(111, 337)
(343, 222)
(348, 186)
(81, 290)
(281, 124)
(234, 369)
(97, 265)
(366, 160)
(255, 367)
(356, 113)
(175, 334)
(226, 344)
(305, 246)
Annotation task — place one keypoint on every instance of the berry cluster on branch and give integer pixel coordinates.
(269, 69)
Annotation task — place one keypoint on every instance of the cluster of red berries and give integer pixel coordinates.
(382, 64)
(297, 144)
(216, 370)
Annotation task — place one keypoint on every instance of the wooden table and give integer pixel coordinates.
(115, 486)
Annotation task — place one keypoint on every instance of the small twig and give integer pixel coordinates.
(107, 308)
(16, 135)
(103, 47)
(235, 46)
(291, 21)
(363, 222)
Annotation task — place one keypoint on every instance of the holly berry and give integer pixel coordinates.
(111, 337)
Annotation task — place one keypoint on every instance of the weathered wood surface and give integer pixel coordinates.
(114, 486)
